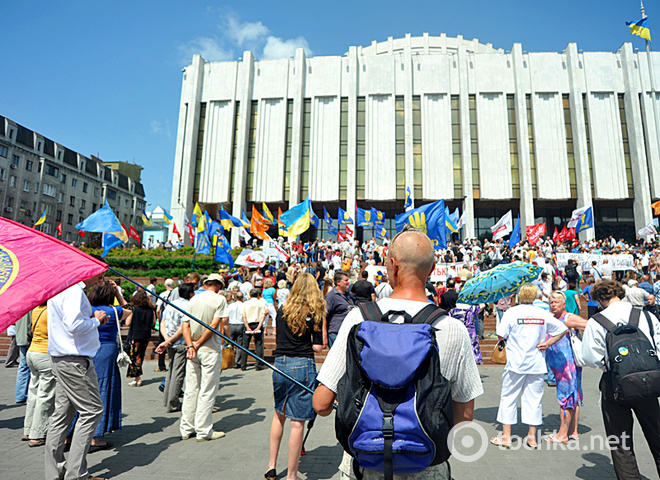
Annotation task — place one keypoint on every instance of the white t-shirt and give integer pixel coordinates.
(524, 327)
(235, 313)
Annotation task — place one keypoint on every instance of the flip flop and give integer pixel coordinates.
(553, 439)
(533, 447)
(497, 441)
(574, 437)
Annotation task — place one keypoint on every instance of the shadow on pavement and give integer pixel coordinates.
(125, 459)
(321, 462)
(238, 420)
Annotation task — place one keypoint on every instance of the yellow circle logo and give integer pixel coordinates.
(623, 351)
(8, 268)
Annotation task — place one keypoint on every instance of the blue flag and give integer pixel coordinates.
(326, 216)
(313, 219)
(228, 221)
(110, 241)
(377, 216)
(103, 220)
(203, 243)
(344, 218)
(332, 230)
(223, 252)
(364, 218)
(244, 219)
(451, 226)
(381, 233)
(515, 235)
(408, 198)
(430, 219)
(586, 220)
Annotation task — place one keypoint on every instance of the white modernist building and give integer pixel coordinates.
(486, 130)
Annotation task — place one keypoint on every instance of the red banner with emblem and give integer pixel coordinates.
(535, 233)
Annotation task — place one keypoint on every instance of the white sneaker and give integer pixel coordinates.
(133, 384)
(214, 436)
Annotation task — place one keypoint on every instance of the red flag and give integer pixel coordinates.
(81, 233)
(563, 234)
(59, 229)
(555, 236)
(535, 232)
(25, 255)
(340, 236)
(133, 234)
(570, 234)
(191, 232)
(174, 230)
(349, 231)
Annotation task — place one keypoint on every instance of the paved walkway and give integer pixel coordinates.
(148, 446)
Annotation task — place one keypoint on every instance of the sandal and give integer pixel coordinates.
(533, 447)
(497, 441)
(270, 474)
(37, 442)
(553, 439)
(574, 437)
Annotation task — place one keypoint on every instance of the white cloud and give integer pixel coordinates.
(211, 49)
(158, 127)
(236, 35)
(277, 48)
(244, 33)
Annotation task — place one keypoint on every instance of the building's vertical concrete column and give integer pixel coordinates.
(186, 144)
(521, 74)
(580, 149)
(408, 114)
(243, 95)
(466, 147)
(640, 172)
(300, 71)
(351, 161)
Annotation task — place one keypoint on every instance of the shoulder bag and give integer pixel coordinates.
(123, 360)
(576, 345)
(499, 353)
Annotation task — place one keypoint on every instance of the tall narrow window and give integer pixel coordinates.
(474, 146)
(513, 146)
(530, 136)
(626, 145)
(306, 148)
(399, 125)
(586, 129)
(361, 147)
(572, 175)
(343, 149)
(456, 147)
(417, 147)
(234, 151)
(252, 149)
(200, 148)
(288, 148)
(646, 142)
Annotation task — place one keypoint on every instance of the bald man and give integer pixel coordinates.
(409, 262)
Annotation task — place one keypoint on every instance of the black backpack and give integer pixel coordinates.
(395, 408)
(571, 272)
(633, 366)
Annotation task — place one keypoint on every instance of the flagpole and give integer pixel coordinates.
(224, 337)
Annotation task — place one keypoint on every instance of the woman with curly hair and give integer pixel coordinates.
(298, 336)
(139, 333)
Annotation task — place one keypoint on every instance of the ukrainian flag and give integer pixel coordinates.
(244, 219)
(198, 218)
(267, 213)
(408, 198)
(640, 28)
(449, 223)
(586, 220)
(41, 219)
(281, 229)
(146, 219)
(297, 219)
(167, 217)
(228, 221)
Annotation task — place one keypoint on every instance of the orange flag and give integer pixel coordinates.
(259, 225)
(656, 208)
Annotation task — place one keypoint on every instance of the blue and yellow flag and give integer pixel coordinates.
(267, 213)
(281, 228)
(640, 28)
(244, 219)
(326, 216)
(586, 220)
(145, 219)
(430, 219)
(381, 233)
(344, 218)
(198, 218)
(364, 218)
(102, 220)
(313, 219)
(297, 219)
(332, 230)
(41, 219)
(408, 198)
(167, 217)
(378, 216)
(223, 252)
(203, 243)
(110, 241)
(449, 223)
(228, 221)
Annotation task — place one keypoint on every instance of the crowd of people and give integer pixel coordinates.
(70, 378)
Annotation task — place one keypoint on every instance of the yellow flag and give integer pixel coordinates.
(267, 213)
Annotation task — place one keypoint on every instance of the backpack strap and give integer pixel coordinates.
(604, 322)
(429, 314)
(648, 319)
(634, 317)
(371, 311)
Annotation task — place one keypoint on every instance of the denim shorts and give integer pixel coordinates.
(290, 400)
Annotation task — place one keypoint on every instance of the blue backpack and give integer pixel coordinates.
(395, 408)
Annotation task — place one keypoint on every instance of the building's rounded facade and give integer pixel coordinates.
(484, 129)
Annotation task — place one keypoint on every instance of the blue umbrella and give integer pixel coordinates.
(498, 282)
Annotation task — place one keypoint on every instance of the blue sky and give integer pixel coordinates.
(104, 78)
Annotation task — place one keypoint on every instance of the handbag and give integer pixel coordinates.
(499, 353)
(123, 360)
(228, 358)
(576, 345)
